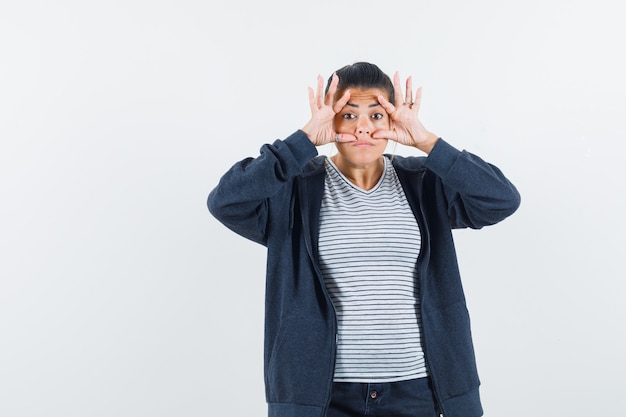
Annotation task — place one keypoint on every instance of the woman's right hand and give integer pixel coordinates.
(320, 128)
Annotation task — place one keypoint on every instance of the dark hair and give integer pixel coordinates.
(362, 75)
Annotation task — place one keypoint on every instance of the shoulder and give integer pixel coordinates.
(408, 163)
(314, 166)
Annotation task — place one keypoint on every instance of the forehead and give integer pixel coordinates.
(366, 95)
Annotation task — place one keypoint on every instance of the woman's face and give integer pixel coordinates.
(362, 116)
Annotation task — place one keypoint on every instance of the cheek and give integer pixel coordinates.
(383, 124)
(341, 123)
(337, 122)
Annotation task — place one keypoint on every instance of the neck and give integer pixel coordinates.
(364, 176)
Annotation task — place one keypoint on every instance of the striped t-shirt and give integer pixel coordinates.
(369, 242)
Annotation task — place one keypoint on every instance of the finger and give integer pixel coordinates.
(397, 89)
(389, 108)
(418, 99)
(312, 104)
(385, 134)
(344, 137)
(409, 91)
(332, 89)
(320, 91)
(342, 101)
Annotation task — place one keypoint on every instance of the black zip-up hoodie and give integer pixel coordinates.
(275, 200)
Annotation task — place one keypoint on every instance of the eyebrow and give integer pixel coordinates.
(357, 106)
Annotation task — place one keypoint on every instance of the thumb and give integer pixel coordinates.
(385, 134)
(389, 108)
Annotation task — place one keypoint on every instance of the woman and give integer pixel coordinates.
(365, 311)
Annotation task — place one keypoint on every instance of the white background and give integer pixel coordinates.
(121, 296)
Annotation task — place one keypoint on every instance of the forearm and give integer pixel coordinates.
(478, 192)
(239, 199)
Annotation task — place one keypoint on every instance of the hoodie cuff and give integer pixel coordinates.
(442, 157)
(301, 147)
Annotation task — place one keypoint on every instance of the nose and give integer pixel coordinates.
(364, 125)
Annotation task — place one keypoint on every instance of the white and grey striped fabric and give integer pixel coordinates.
(369, 242)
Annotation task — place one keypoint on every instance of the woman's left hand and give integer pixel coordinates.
(406, 127)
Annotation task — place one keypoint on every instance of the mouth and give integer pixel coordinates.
(362, 144)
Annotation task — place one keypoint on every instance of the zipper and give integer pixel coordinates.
(425, 346)
(434, 382)
(333, 355)
(425, 237)
(313, 255)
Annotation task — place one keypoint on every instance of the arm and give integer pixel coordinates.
(478, 193)
(239, 200)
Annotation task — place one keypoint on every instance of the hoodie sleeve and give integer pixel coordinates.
(477, 192)
(240, 199)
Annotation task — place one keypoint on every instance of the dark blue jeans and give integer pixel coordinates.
(413, 398)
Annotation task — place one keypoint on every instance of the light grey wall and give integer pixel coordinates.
(121, 296)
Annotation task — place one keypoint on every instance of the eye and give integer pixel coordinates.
(348, 116)
(377, 116)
